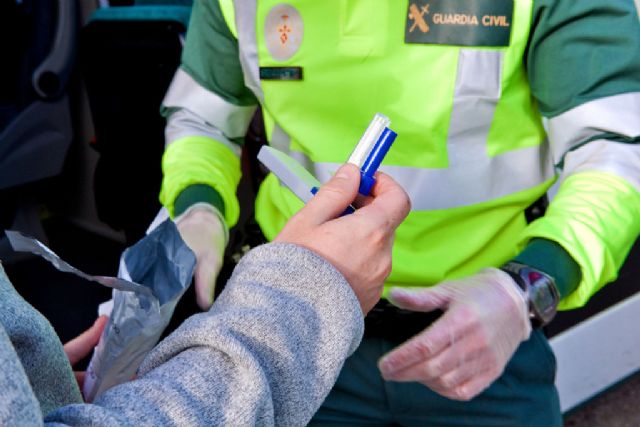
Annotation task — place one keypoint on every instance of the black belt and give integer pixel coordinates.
(387, 321)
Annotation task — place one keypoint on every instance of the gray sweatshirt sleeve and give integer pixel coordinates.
(39, 351)
(267, 353)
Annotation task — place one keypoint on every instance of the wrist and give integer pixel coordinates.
(206, 213)
(539, 290)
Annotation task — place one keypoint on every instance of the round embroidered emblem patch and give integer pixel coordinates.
(283, 31)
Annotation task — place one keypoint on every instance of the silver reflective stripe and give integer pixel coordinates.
(183, 123)
(476, 94)
(248, 44)
(280, 139)
(619, 114)
(232, 120)
(476, 181)
(601, 155)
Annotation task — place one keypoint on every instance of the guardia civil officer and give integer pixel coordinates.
(494, 101)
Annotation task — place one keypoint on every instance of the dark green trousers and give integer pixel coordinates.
(524, 395)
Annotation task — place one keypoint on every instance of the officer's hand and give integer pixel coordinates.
(358, 245)
(203, 231)
(462, 353)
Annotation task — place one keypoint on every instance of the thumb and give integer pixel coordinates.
(335, 195)
(81, 346)
(418, 300)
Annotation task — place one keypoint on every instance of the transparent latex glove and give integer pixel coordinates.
(203, 229)
(485, 319)
(358, 245)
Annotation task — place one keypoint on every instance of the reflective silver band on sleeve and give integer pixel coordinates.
(186, 93)
(616, 158)
(183, 123)
(618, 114)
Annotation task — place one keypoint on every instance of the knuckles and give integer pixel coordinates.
(335, 192)
(423, 347)
(434, 369)
(463, 394)
(447, 383)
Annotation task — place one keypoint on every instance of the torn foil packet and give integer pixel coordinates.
(153, 275)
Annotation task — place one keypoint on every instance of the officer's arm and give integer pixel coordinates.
(583, 63)
(208, 110)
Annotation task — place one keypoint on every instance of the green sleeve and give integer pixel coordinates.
(582, 50)
(549, 257)
(198, 193)
(211, 57)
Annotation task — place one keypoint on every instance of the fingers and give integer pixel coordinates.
(436, 341)
(205, 276)
(476, 385)
(423, 346)
(79, 347)
(80, 376)
(461, 383)
(448, 371)
(447, 374)
(418, 300)
(334, 196)
(389, 199)
(203, 231)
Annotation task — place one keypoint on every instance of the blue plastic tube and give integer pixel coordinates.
(375, 157)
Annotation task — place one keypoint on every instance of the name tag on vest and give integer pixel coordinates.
(280, 73)
(459, 22)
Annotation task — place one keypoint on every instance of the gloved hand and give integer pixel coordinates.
(463, 352)
(358, 245)
(203, 229)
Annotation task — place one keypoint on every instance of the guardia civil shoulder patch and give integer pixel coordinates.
(283, 31)
(459, 22)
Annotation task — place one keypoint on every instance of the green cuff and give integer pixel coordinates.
(551, 258)
(197, 193)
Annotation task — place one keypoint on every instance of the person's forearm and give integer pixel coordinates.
(267, 353)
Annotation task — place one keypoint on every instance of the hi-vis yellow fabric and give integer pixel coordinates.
(207, 162)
